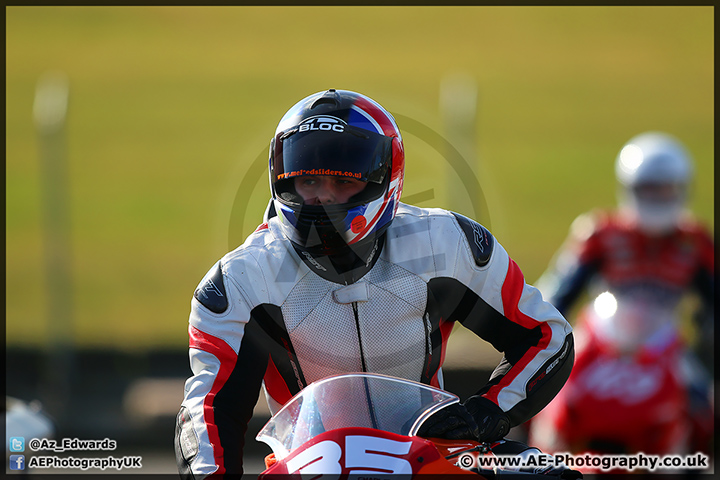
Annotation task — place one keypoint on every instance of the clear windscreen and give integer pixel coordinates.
(353, 400)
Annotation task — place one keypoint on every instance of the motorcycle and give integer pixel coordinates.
(628, 391)
(365, 425)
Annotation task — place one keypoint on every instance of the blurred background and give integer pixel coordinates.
(154, 167)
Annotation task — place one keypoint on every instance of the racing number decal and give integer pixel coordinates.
(361, 453)
(323, 457)
(372, 452)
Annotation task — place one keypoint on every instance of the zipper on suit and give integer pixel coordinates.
(357, 326)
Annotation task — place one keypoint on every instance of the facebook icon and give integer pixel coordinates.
(17, 462)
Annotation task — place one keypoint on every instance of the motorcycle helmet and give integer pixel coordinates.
(654, 171)
(344, 134)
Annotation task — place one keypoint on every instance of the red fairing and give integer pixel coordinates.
(357, 451)
(639, 405)
(635, 403)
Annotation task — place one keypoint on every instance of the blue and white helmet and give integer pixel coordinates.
(338, 133)
(654, 159)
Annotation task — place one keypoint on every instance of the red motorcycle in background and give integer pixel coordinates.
(629, 390)
(365, 426)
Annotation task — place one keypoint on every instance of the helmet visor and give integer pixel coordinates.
(659, 192)
(340, 150)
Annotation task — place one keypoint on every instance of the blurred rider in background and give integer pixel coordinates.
(651, 247)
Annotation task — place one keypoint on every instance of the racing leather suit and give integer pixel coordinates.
(265, 317)
(606, 251)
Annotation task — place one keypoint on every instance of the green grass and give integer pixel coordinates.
(170, 107)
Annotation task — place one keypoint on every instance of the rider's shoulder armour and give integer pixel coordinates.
(211, 292)
(479, 238)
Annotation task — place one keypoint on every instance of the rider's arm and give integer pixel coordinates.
(534, 337)
(228, 363)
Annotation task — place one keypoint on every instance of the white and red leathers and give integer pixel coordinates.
(608, 251)
(266, 317)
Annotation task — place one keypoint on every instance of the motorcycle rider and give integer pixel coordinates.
(343, 277)
(649, 248)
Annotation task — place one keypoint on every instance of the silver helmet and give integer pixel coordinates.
(654, 171)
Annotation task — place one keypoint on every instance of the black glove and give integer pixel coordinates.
(452, 422)
(477, 419)
(493, 423)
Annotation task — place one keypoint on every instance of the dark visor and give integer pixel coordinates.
(352, 152)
